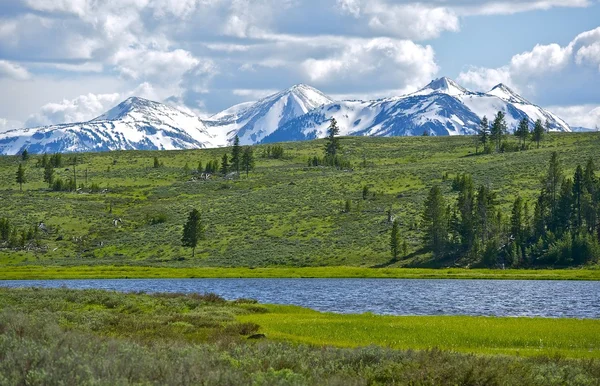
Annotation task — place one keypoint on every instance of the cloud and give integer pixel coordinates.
(383, 61)
(549, 67)
(13, 70)
(7, 124)
(587, 116)
(80, 109)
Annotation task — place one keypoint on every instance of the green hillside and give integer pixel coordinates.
(283, 214)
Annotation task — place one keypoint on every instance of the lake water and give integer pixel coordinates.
(573, 299)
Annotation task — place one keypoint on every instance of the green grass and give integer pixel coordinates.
(571, 338)
(284, 215)
(131, 272)
(61, 336)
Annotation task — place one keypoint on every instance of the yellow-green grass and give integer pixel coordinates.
(571, 338)
(8, 272)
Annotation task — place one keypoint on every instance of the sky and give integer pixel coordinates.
(65, 61)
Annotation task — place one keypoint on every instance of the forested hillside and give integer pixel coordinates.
(291, 205)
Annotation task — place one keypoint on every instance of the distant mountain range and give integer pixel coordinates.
(301, 112)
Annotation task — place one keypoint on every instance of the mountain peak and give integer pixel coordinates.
(443, 85)
(502, 91)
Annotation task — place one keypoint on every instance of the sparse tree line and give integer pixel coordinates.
(331, 155)
(561, 228)
(13, 237)
(491, 136)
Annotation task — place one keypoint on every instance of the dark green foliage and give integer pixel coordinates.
(365, 192)
(155, 219)
(25, 155)
(273, 152)
(236, 155)
(193, 231)
(56, 160)
(483, 135)
(348, 206)
(200, 168)
(224, 164)
(395, 247)
(48, 173)
(538, 132)
(156, 163)
(522, 132)
(248, 161)
(435, 222)
(498, 129)
(332, 146)
(20, 177)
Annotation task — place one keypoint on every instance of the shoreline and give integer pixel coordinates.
(140, 272)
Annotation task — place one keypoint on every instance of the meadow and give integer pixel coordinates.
(61, 336)
(284, 214)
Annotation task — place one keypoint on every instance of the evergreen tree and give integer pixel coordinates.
(248, 159)
(200, 167)
(156, 164)
(578, 192)
(522, 131)
(332, 146)
(564, 210)
(25, 155)
(466, 225)
(193, 231)
(538, 132)
(49, 174)
(21, 177)
(44, 160)
(517, 219)
(498, 129)
(552, 182)
(395, 241)
(435, 222)
(483, 133)
(589, 177)
(225, 164)
(236, 153)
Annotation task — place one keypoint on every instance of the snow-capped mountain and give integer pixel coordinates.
(301, 112)
(136, 123)
(441, 108)
(254, 121)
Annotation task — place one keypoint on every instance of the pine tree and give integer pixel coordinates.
(552, 182)
(522, 131)
(224, 164)
(538, 132)
(236, 153)
(200, 167)
(466, 226)
(483, 134)
(498, 129)
(49, 174)
(517, 219)
(564, 209)
(193, 231)
(578, 192)
(21, 177)
(332, 146)
(44, 161)
(395, 241)
(589, 177)
(156, 164)
(435, 222)
(248, 159)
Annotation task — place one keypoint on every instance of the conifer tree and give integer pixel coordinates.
(248, 159)
(332, 146)
(395, 240)
(193, 231)
(538, 132)
(200, 167)
(21, 177)
(156, 163)
(552, 181)
(578, 192)
(49, 174)
(25, 155)
(225, 164)
(522, 131)
(517, 219)
(483, 134)
(435, 221)
(498, 129)
(236, 153)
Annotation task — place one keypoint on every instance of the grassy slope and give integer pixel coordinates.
(284, 214)
(60, 336)
(130, 272)
(520, 336)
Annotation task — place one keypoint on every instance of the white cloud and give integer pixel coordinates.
(587, 116)
(530, 69)
(161, 66)
(383, 61)
(80, 109)
(13, 71)
(7, 124)
(254, 94)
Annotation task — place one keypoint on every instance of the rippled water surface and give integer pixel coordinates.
(575, 299)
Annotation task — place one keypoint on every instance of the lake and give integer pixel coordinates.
(570, 299)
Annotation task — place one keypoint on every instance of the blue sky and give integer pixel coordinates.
(70, 60)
